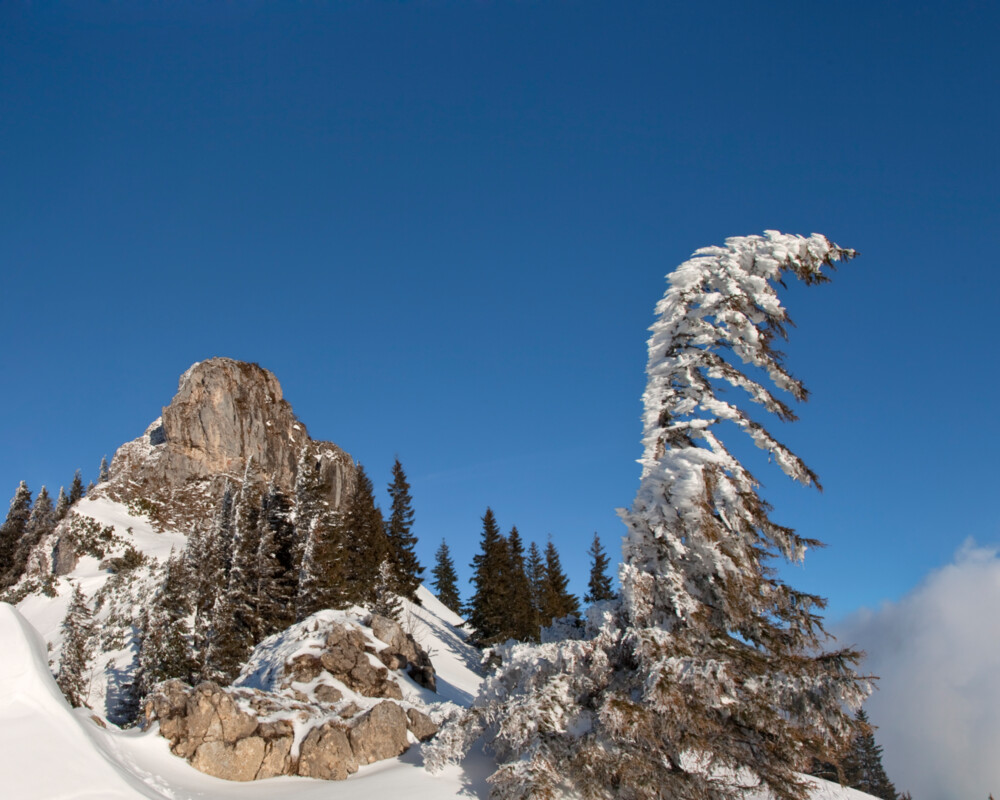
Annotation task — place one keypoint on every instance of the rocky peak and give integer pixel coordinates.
(228, 420)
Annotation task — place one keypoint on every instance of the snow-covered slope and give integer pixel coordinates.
(50, 751)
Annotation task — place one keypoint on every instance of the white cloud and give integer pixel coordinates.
(937, 652)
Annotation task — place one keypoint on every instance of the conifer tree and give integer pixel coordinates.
(76, 488)
(279, 582)
(862, 767)
(534, 569)
(166, 649)
(41, 522)
(446, 579)
(104, 473)
(365, 541)
(62, 505)
(387, 603)
(234, 621)
(522, 619)
(324, 580)
(487, 610)
(399, 529)
(211, 551)
(77, 649)
(599, 586)
(556, 600)
(708, 668)
(11, 532)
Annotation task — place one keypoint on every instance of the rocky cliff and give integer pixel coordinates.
(227, 421)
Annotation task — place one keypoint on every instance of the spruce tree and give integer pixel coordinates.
(41, 522)
(279, 582)
(708, 666)
(387, 602)
(446, 579)
(487, 609)
(862, 766)
(399, 529)
(104, 472)
(599, 586)
(77, 649)
(62, 505)
(365, 542)
(522, 619)
(234, 621)
(556, 600)
(324, 576)
(11, 532)
(76, 489)
(534, 569)
(211, 551)
(166, 649)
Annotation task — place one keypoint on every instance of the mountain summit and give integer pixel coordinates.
(228, 421)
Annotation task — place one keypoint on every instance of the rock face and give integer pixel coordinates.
(228, 418)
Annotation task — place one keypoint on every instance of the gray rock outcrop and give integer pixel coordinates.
(228, 418)
(207, 725)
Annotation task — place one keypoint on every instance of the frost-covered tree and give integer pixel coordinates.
(707, 679)
(387, 603)
(446, 579)
(62, 505)
(104, 472)
(234, 613)
(210, 556)
(399, 529)
(11, 533)
(41, 522)
(77, 649)
(599, 585)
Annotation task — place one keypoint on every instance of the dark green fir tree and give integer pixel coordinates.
(556, 600)
(862, 766)
(599, 586)
(445, 581)
(365, 542)
(487, 611)
(76, 491)
(402, 543)
(522, 620)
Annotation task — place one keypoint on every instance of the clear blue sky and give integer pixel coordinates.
(444, 227)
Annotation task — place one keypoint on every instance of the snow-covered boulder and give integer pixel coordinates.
(318, 700)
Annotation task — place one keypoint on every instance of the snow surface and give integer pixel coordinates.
(50, 751)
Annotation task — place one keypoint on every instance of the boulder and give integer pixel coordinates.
(380, 733)
(326, 753)
(240, 761)
(422, 726)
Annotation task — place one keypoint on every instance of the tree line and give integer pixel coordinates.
(516, 592)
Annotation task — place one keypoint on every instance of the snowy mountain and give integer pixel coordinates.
(336, 678)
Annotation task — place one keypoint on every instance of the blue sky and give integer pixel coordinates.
(444, 227)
